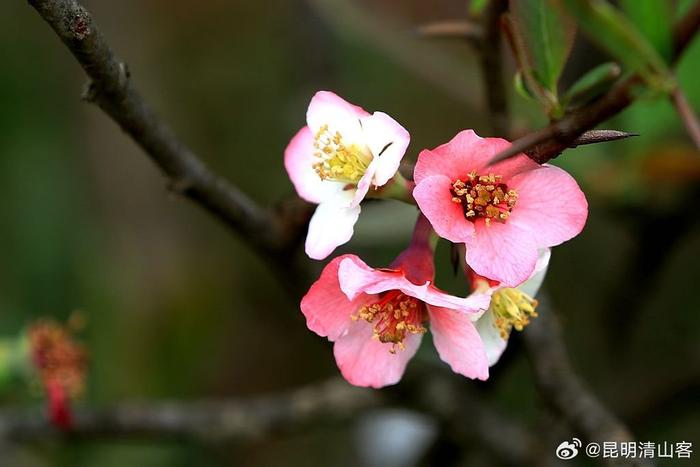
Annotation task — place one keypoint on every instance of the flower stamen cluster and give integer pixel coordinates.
(484, 196)
(393, 316)
(58, 359)
(337, 161)
(513, 309)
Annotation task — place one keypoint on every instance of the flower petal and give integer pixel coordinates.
(364, 361)
(550, 203)
(458, 343)
(447, 217)
(357, 278)
(299, 160)
(466, 152)
(325, 306)
(331, 226)
(494, 344)
(387, 140)
(502, 252)
(327, 108)
(533, 284)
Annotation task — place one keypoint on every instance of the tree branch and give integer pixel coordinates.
(547, 143)
(562, 388)
(222, 420)
(687, 115)
(111, 89)
(492, 66)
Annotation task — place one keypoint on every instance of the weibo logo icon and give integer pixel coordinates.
(568, 450)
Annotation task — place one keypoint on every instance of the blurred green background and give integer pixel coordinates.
(178, 308)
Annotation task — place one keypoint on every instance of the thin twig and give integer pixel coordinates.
(452, 29)
(687, 115)
(561, 387)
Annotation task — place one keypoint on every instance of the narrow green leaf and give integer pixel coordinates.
(521, 87)
(548, 34)
(654, 19)
(592, 84)
(613, 31)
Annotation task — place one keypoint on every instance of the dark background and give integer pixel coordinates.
(178, 308)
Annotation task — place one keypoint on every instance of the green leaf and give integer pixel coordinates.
(521, 87)
(654, 19)
(477, 6)
(592, 84)
(613, 31)
(548, 34)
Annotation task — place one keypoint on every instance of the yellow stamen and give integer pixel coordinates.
(337, 161)
(484, 196)
(394, 316)
(512, 309)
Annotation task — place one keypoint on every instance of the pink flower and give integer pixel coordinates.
(333, 162)
(503, 213)
(377, 317)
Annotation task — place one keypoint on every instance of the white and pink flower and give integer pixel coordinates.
(377, 317)
(335, 160)
(503, 213)
(510, 308)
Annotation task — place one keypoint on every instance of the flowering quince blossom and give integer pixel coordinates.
(510, 308)
(503, 213)
(377, 317)
(333, 162)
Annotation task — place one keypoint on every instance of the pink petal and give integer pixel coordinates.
(357, 278)
(458, 343)
(435, 202)
(327, 108)
(550, 203)
(387, 140)
(325, 306)
(453, 159)
(366, 362)
(299, 160)
(467, 152)
(502, 252)
(331, 226)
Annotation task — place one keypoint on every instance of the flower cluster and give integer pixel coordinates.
(504, 217)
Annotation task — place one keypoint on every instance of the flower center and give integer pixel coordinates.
(512, 309)
(484, 196)
(337, 161)
(393, 316)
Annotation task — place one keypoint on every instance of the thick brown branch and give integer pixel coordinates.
(562, 388)
(111, 89)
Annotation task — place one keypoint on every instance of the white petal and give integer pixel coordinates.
(533, 284)
(327, 108)
(387, 140)
(331, 225)
(491, 337)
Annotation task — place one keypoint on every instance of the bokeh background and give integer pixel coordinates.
(178, 308)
